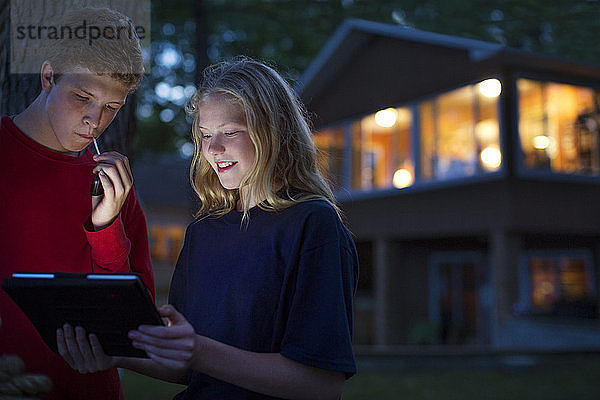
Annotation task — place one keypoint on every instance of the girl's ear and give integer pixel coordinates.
(47, 76)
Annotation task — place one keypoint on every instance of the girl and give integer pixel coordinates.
(261, 296)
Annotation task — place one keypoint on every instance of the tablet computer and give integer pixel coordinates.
(108, 305)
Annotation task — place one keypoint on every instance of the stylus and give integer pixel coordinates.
(97, 189)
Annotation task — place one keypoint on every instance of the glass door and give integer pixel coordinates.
(455, 296)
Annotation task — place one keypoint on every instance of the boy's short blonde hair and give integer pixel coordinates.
(113, 49)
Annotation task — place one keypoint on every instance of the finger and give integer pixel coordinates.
(109, 156)
(73, 347)
(85, 349)
(117, 159)
(118, 165)
(96, 200)
(166, 339)
(98, 351)
(116, 179)
(171, 313)
(165, 311)
(114, 158)
(62, 347)
(178, 328)
(153, 333)
(125, 171)
(181, 352)
(125, 176)
(107, 182)
(107, 185)
(166, 332)
(167, 362)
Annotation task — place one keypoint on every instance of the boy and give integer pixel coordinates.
(50, 221)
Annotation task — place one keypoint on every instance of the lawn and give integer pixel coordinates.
(558, 377)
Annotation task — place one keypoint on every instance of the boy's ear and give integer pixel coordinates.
(47, 76)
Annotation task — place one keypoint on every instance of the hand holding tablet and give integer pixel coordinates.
(106, 305)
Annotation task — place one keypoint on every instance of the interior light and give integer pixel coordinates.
(402, 178)
(490, 88)
(386, 118)
(487, 130)
(491, 158)
(541, 142)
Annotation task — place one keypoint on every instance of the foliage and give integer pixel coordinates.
(289, 34)
(162, 125)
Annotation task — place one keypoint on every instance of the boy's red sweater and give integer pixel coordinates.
(45, 226)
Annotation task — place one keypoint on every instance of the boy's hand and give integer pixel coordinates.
(82, 354)
(116, 177)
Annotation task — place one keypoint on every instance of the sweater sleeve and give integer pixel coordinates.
(123, 246)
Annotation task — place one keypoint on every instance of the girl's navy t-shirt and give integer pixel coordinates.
(281, 283)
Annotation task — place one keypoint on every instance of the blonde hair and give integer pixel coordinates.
(116, 51)
(285, 169)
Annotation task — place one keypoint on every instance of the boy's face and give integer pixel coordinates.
(79, 106)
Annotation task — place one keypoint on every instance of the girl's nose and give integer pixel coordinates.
(215, 146)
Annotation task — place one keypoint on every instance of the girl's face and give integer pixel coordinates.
(226, 143)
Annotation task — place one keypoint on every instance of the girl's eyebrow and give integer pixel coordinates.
(221, 125)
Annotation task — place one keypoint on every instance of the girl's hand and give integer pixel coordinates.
(116, 177)
(80, 353)
(171, 346)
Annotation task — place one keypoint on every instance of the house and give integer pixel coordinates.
(468, 173)
(165, 194)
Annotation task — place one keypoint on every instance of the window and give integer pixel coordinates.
(166, 242)
(330, 154)
(559, 127)
(381, 150)
(460, 134)
(558, 284)
(459, 137)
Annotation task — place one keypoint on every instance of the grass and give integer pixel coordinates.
(140, 387)
(558, 377)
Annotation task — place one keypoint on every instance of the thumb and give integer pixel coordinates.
(169, 312)
(95, 201)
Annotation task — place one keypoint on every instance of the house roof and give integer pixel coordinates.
(369, 65)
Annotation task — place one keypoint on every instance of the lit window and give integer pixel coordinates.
(460, 134)
(166, 242)
(559, 285)
(559, 127)
(330, 154)
(381, 150)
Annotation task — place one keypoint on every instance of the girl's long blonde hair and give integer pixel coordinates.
(285, 168)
